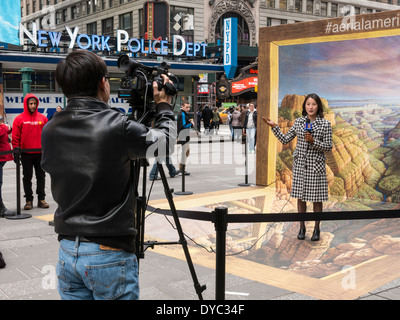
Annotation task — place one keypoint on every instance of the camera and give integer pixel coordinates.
(137, 85)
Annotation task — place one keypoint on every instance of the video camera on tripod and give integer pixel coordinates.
(137, 86)
(137, 89)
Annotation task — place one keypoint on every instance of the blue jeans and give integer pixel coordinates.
(251, 138)
(86, 272)
(171, 169)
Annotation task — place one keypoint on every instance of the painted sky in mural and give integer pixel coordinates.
(363, 69)
(10, 17)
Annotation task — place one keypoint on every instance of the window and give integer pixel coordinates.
(275, 22)
(41, 81)
(107, 27)
(324, 9)
(334, 9)
(141, 23)
(126, 23)
(282, 4)
(88, 5)
(12, 81)
(271, 3)
(91, 28)
(298, 5)
(64, 15)
(74, 12)
(182, 22)
(309, 6)
(243, 29)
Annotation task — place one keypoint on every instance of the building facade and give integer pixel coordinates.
(197, 21)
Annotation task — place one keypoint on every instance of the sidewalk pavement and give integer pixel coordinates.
(30, 246)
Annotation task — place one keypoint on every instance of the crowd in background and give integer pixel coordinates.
(242, 121)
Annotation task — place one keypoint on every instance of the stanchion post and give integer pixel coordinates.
(183, 165)
(19, 215)
(246, 174)
(18, 156)
(221, 225)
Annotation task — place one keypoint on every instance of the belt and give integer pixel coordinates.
(73, 238)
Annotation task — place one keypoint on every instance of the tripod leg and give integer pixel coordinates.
(199, 289)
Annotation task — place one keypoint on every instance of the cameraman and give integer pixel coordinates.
(87, 150)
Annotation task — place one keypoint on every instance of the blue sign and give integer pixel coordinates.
(10, 18)
(230, 47)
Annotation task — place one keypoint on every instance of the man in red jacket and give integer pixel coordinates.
(26, 134)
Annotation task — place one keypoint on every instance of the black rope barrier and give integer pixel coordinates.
(283, 217)
(221, 219)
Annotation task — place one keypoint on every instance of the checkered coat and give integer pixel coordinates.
(309, 171)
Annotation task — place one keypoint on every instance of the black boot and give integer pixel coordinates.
(302, 234)
(315, 236)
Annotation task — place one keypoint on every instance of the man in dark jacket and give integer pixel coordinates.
(87, 150)
(207, 116)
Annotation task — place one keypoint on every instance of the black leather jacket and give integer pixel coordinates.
(87, 150)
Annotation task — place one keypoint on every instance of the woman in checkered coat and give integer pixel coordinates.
(309, 173)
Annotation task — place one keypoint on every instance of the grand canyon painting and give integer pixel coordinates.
(357, 75)
(358, 82)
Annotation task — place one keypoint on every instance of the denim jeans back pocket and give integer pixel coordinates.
(107, 280)
(63, 283)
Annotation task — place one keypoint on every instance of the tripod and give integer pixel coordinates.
(140, 209)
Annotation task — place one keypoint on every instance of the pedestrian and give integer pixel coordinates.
(5, 130)
(58, 109)
(243, 111)
(309, 172)
(153, 175)
(88, 150)
(26, 134)
(236, 125)
(229, 121)
(250, 125)
(215, 121)
(206, 116)
(198, 119)
(184, 124)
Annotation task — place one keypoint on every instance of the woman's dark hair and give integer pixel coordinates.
(80, 73)
(320, 111)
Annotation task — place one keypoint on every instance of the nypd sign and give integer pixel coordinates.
(230, 47)
(52, 39)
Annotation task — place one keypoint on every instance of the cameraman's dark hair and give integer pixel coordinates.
(320, 110)
(80, 73)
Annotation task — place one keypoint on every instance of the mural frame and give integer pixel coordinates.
(373, 25)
